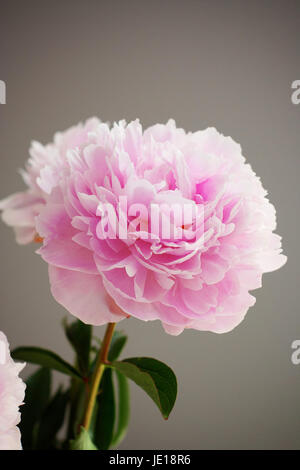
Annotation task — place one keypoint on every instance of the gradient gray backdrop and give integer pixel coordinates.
(228, 64)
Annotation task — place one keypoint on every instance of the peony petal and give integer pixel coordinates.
(68, 254)
(83, 295)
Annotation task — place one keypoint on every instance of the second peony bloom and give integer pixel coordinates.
(157, 224)
(12, 392)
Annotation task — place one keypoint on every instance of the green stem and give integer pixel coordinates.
(97, 375)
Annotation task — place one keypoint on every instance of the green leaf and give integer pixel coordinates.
(83, 441)
(123, 409)
(117, 344)
(105, 419)
(80, 335)
(154, 377)
(36, 398)
(77, 408)
(52, 420)
(45, 358)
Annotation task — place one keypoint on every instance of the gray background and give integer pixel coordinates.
(228, 64)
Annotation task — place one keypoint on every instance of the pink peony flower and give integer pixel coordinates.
(44, 169)
(199, 276)
(12, 390)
